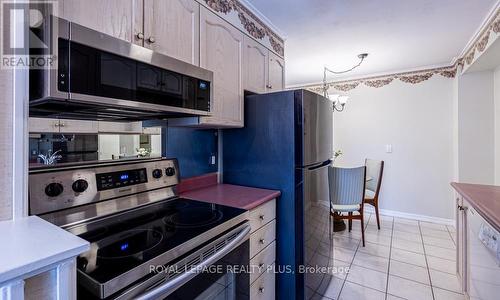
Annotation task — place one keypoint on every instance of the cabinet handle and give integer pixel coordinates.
(269, 86)
(261, 217)
(460, 207)
(261, 266)
(151, 40)
(140, 36)
(261, 289)
(262, 241)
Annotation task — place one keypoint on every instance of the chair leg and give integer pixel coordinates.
(350, 222)
(376, 213)
(362, 229)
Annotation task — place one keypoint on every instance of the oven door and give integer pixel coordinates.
(218, 270)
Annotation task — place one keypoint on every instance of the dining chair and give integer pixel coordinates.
(347, 190)
(374, 171)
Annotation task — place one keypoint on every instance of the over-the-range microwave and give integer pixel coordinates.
(96, 76)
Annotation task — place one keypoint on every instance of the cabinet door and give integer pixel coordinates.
(255, 66)
(77, 126)
(39, 125)
(119, 18)
(174, 28)
(221, 51)
(120, 127)
(461, 235)
(276, 73)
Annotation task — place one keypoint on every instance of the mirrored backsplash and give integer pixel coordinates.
(52, 148)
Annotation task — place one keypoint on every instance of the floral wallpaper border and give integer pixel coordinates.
(255, 27)
(482, 40)
(414, 77)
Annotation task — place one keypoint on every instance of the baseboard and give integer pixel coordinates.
(399, 214)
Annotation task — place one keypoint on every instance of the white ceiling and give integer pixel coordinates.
(398, 34)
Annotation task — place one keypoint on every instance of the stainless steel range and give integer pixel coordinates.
(146, 242)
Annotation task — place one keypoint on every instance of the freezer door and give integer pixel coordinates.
(317, 128)
(318, 233)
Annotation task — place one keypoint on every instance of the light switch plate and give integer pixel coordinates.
(388, 148)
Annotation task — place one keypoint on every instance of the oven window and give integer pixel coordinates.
(231, 284)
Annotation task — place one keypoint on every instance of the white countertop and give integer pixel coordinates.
(30, 243)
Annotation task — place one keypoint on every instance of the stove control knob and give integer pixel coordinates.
(80, 186)
(54, 189)
(157, 173)
(170, 171)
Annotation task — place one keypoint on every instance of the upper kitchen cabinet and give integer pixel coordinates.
(221, 51)
(172, 28)
(40, 125)
(119, 18)
(255, 66)
(276, 73)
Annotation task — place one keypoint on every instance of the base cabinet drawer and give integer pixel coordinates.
(264, 287)
(261, 215)
(261, 238)
(262, 261)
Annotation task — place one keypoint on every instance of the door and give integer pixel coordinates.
(255, 66)
(119, 18)
(221, 51)
(172, 27)
(276, 73)
(317, 127)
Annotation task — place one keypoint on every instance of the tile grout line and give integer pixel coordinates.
(426, 262)
(389, 264)
(352, 260)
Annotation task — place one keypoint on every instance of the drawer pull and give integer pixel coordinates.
(261, 290)
(262, 241)
(261, 266)
(261, 217)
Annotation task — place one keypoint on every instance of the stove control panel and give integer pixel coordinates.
(56, 188)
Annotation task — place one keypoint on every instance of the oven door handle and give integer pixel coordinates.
(171, 285)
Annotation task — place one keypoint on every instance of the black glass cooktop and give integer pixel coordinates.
(123, 242)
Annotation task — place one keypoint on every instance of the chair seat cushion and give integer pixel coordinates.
(369, 194)
(345, 208)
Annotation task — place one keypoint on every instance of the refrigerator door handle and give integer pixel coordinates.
(323, 164)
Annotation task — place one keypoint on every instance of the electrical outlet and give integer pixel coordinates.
(388, 148)
(212, 159)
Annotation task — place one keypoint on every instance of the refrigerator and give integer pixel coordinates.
(287, 145)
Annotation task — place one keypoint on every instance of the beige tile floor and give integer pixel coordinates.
(405, 259)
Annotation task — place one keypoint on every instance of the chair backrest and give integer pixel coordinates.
(374, 169)
(347, 186)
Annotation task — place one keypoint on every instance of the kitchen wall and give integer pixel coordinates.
(476, 128)
(417, 121)
(496, 94)
(193, 148)
(6, 96)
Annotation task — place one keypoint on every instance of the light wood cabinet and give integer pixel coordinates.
(117, 127)
(276, 75)
(263, 250)
(40, 125)
(221, 51)
(172, 28)
(255, 66)
(119, 18)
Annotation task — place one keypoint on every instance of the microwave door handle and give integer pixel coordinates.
(172, 285)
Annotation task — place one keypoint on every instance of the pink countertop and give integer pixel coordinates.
(484, 198)
(232, 195)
